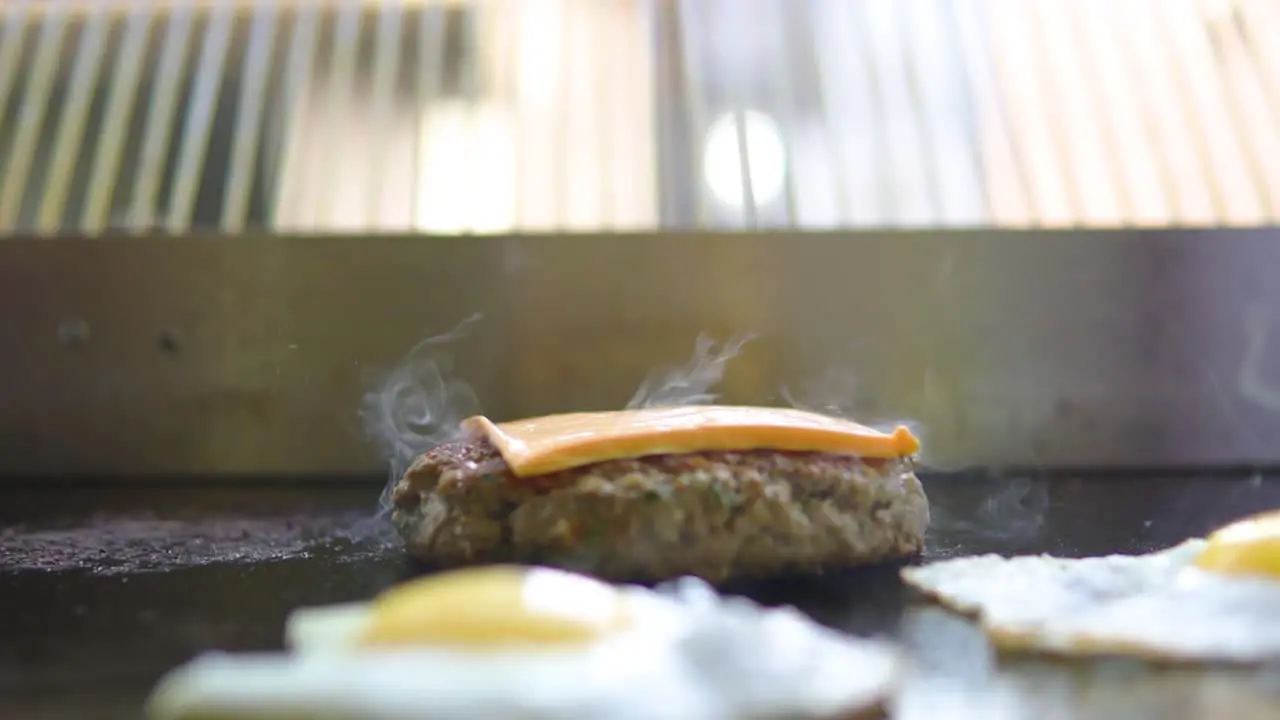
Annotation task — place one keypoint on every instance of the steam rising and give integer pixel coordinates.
(838, 394)
(691, 383)
(419, 404)
(1014, 514)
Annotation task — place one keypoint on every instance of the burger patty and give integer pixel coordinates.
(717, 515)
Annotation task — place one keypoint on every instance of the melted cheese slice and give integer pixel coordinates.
(538, 446)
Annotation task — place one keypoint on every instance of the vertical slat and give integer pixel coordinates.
(11, 47)
(1022, 87)
(1243, 91)
(957, 184)
(750, 212)
(581, 123)
(121, 96)
(634, 174)
(1165, 116)
(608, 48)
(692, 80)
(532, 32)
(562, 143)
(476, 119)
(912, 191)
(499, 149)
(564, 110)
(460, 135)
(845, 75)
(470, 205)
(85, 77)
(429, 79)
(521, 145)
(504, 37)
(341, 96)
(1108, 68)
(158, 129)
(205, 94)
(818, 186)
(1171, 108)
(781, 86)
(483, 163)
(710, 20)
(1258, 21)
(720, 18)
(386, 64)
(1072, 110)
(1009, 198)
(254, 77)
(1218, 132)
(40, 81)
(1261, 19)
(879, 158)
(298, 81)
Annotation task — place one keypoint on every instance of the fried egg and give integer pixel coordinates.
(1214, 599)
(519, 642)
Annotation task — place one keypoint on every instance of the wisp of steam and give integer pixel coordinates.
(419, 404)
(691, 383)
(836, 393)
(1013, 513)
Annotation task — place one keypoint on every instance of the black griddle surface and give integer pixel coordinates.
(103, 588)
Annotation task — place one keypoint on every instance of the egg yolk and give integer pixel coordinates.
(1248, 547)
(491, 606)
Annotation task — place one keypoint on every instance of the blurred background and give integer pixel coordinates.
(1040, 229)
(586, 115)
(1043, 232)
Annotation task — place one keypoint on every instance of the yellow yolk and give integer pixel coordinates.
(1248, 547)
(490, 606)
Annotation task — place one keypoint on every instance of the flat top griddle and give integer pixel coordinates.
(103, 588)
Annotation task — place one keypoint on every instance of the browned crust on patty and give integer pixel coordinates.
(718, 515)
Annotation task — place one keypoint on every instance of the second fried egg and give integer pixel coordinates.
(1205, 600)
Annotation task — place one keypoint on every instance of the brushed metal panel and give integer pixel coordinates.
(252, 355)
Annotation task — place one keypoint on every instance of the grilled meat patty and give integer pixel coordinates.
(717, 515)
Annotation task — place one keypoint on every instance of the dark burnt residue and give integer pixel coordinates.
(122, 545)
(110, 531)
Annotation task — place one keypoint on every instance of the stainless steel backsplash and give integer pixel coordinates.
(255, 355)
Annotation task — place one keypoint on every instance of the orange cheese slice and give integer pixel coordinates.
(538, 446)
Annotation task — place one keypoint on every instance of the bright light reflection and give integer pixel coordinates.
(766, 154)
(466, 169)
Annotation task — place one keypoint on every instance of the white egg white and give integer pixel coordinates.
(690, 654)
(1155, 606)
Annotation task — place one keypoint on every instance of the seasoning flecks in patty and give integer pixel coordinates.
(718, 515)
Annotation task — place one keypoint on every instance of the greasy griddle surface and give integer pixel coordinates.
(102, 589)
